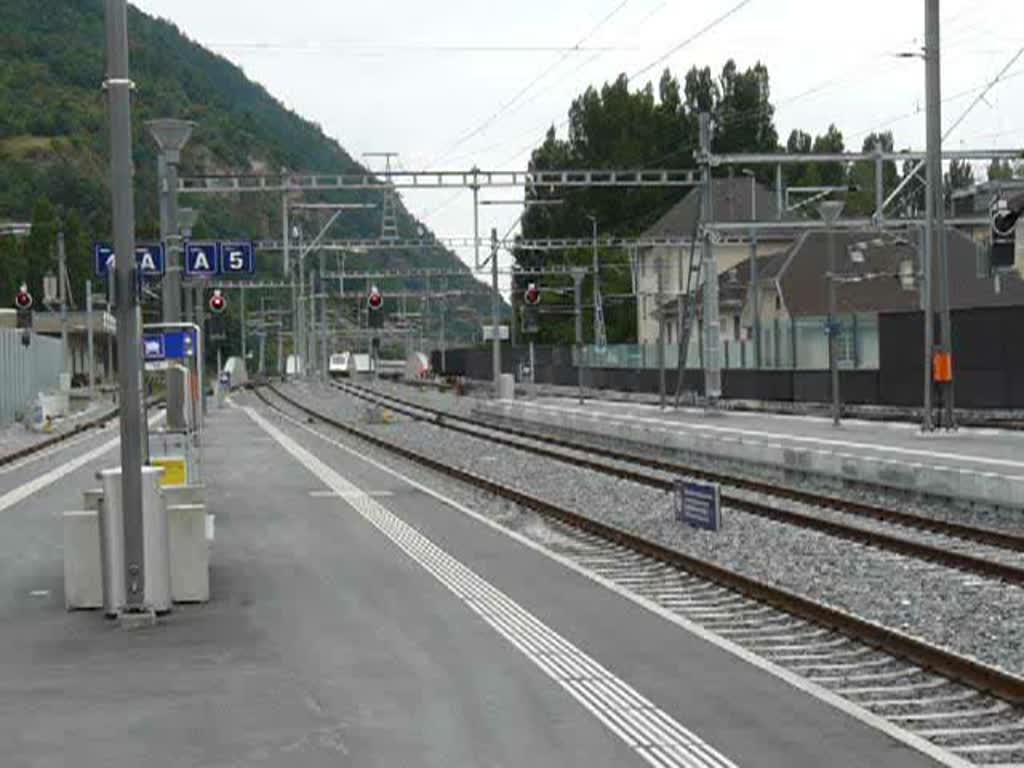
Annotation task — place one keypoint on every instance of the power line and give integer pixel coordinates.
(953, 97)
(355, 47)
(695, 36)
(583, 65)
(668, 54)
(524, 90)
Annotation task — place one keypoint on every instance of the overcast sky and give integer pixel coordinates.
(426, 78)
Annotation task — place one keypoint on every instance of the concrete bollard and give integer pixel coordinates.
(190, 553)
(507, 387)
(83, 573)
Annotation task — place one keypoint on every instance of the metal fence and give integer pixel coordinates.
(25, 372)
(799, 344)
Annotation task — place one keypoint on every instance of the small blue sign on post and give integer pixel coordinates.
(150, 259)
(237, 258)
(153, 347)
(202, 259)
(699, 505)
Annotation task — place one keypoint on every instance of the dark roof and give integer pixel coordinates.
(732, 202)
(977, 199)
(804, 287)
(733, 283)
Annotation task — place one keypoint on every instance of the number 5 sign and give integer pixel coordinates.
(237, 258)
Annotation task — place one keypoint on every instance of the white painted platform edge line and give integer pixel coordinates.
(938, 754)
(25, 490)
(692, 751)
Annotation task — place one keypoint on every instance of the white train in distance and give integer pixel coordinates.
(348, 364)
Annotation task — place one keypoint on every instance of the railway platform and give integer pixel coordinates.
(970, 465)
(361, 618)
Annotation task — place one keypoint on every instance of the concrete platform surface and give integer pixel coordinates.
(326, 644)
(984, 465)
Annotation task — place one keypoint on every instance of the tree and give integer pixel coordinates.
(1000, 170)
(744, 115)
(79, 253)
(913, 197)
(828, 174)
(960, 176)
(615, 126)
(861, 199)
(40, 244)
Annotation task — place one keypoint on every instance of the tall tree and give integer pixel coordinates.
(1000, 170)
(861, 199)
(618, 127)
(40, 245)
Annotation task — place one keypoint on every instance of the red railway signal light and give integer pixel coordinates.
(218, 303)
(532, 295)
(375, 300)
(23, 300)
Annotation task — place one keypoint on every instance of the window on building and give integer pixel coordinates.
(846, 351)
(736, 327)
(778, 303)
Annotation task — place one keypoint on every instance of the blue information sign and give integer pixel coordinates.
(180, 345)
(237, 258)
(202, 259)
(150, 259)
(153, 347)
(698, 504)
(169, 345)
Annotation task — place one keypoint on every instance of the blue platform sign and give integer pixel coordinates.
(169, 345)
(237, 258)
(150, 259)
(180, 345)
(153, 347)
(699, 505)
(202, 259)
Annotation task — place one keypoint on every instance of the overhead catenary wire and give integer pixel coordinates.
(582, 65)
(525, 89)
(709, 27)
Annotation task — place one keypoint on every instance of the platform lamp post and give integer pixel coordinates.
(171, 136)
(830, 210)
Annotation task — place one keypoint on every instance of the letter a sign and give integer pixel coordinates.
(202, 259)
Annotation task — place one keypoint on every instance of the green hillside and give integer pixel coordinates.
(53, 139)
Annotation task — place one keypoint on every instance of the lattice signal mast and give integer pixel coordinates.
(389, 206)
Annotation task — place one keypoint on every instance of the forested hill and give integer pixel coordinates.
(54, 146)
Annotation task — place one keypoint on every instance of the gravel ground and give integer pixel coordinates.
(945, 542)
(1008, 520)
(972, 616)
(14, 437)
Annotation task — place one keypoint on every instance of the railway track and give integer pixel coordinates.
(965, 712)
(32, 451)
(42, 445)
(950, 546)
